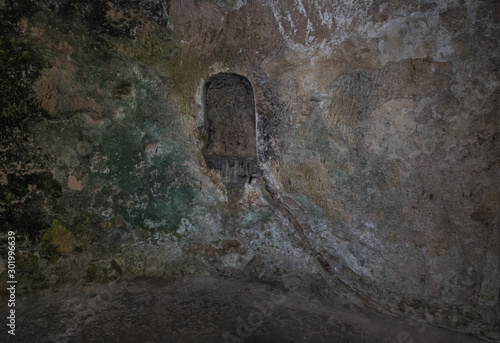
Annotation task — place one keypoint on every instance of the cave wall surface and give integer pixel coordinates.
(377, 127)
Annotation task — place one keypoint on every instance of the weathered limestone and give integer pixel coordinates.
(376, 124)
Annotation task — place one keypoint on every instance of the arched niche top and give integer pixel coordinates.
(230, 125)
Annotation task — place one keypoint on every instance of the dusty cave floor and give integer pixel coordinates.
(204, 309)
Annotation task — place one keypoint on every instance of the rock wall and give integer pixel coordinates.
(377, 126)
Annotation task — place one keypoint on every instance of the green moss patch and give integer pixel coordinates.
(156, 47)
(102, 271)
(148, 192)
(57, 241)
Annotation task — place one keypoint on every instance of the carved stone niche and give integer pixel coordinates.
(230, 130)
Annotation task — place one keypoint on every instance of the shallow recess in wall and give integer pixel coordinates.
(230, 145)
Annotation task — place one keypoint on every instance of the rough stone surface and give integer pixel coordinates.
(377, 128)
(209, 310)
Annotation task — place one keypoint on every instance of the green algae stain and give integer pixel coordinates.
(57, 241)
(148, 187)
(157, 48)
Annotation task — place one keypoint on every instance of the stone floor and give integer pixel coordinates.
(205, 310)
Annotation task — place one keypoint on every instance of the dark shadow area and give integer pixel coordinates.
(206, 310)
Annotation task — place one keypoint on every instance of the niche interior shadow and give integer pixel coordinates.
(230, 127)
